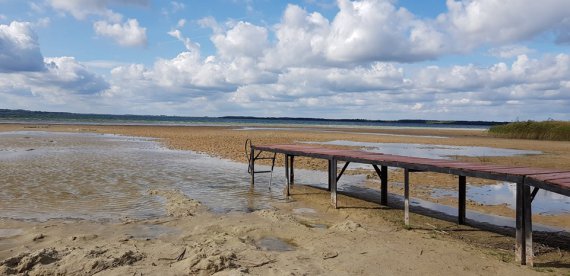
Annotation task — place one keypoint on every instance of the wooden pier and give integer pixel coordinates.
(554, 180)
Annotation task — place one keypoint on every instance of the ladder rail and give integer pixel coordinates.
(251, 157)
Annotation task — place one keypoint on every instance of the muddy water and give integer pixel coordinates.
(93, 176)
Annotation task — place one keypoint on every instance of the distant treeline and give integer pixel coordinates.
(546, 130)
(404, 121)
(39, 115)
(8, 114)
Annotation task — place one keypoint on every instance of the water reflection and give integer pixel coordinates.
(545, 202)
(429, 151)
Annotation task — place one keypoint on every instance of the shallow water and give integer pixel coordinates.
(274, 244)
(545, 202)
(104, 177)
(430, 151)
(336, 131)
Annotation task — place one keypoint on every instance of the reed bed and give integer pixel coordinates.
(545, 130)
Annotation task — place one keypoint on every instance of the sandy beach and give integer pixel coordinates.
(300, 236)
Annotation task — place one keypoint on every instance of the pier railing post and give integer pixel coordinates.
(462, 199)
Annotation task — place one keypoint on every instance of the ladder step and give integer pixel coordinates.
(262, 172)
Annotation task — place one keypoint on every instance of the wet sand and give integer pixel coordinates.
(360, 238)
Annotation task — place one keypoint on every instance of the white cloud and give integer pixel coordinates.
(301, 38)
(181, 23)
(242, 40)
(81, 9)
(475, 22)
(377, 30)
(126, 34)
(348, 66)
(510, 51)
(63, 78)
(190, 46)
(177, 6)
(19, 48)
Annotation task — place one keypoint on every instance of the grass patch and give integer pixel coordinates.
(546, 130)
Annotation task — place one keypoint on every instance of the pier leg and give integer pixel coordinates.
(332, 181)
(287, 174)
(462, 198)
(252, 166)
(292, 170)
(384, 186)
(407, 197)
(527, 219)
(520, 248)
(329, 181)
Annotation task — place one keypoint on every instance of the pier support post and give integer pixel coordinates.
(384, 186)
(520, 248)
(287, 192)
(407, 197)
(332, 181)
(329, 181)
(527, 220)
(462, 199)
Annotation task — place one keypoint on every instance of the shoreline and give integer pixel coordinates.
(225, 143)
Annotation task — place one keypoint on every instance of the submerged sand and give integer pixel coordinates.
(302, 236)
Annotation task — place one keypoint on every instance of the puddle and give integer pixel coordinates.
(545, 202)
(336, 131)
(106, 177)
(430, 151)
(149, 231)
(304, 211)
(450, 211)
(274, 244)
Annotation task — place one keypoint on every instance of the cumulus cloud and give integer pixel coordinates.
(474, 22)
(244, 39)
(63, 78)
(19, 48)
(348, 65)
(377, 30)
(126, 34)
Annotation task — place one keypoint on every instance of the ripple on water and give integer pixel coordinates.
(102, 177)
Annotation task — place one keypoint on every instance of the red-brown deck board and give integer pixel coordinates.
(551, 176)
(551, 179)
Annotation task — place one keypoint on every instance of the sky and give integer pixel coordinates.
(499, 60)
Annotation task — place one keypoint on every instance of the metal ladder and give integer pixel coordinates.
(249, 156)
